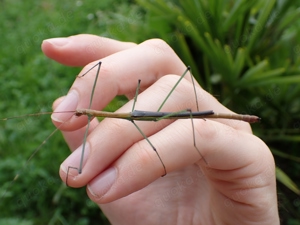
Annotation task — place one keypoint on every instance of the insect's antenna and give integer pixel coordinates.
(136, 94)
(90, 117)
(181, 77)
(29, 159)
(145, 137)
(33, 114)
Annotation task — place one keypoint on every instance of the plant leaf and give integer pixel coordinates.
(284, 179)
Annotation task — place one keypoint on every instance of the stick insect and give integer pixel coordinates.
(138, 115)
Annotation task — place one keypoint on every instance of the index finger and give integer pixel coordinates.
(79, 50)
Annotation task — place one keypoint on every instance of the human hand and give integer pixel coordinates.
(123, 173)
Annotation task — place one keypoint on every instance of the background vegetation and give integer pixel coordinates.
(246, 53)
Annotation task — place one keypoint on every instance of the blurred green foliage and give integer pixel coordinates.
(30, 83)
(246, 53)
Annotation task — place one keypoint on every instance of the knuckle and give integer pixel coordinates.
(158, 45)
(156, 42)
(205, 131)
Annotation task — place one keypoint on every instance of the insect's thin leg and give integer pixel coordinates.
(136, 94)
(144, 135)
(194, 86)
(95, 82)
(67, 177)
(194, 138)
(193, 127)
(79, 169)
(98, 64)
(84, 143)
(89, 117)
(169, 94)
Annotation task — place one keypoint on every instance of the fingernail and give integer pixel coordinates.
(74, 160)
(58, 41)
(101, 185)
(68, 104)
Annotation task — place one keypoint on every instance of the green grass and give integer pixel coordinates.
(30, 83)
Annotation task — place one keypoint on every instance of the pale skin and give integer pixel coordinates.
(121, 171)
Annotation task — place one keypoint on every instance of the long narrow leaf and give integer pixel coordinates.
(187, 55)
(280, 80)
(197, 13)
(285, 155)
(261, 76)
(284, 179)
(288, 20)
(233, 15)
(260, 23)
(254, 70)
(239, 62)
